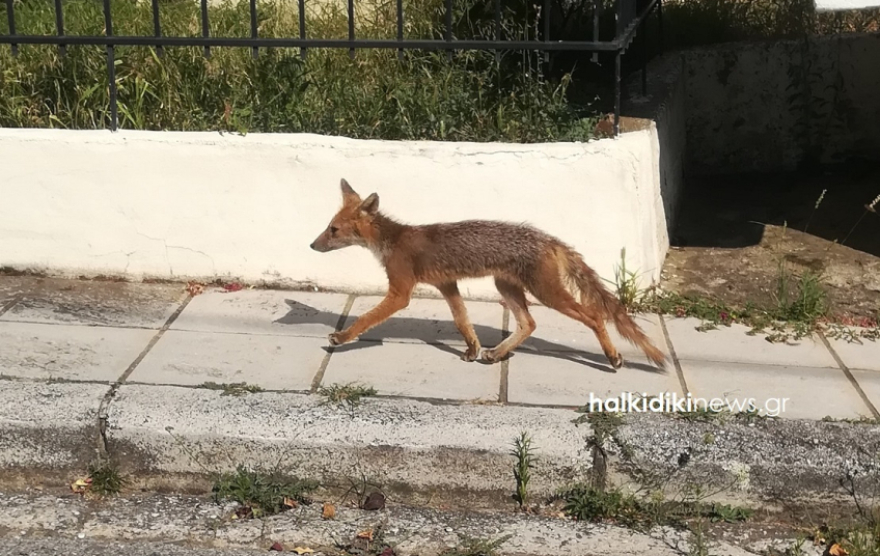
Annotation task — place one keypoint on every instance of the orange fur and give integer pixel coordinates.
(519, 257)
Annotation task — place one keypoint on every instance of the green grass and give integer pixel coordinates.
(585, 503)
(348, 395)
(525, 459)
(106, 479)
(477, 547)
(375, 95)
(799, 306)
(261, 494)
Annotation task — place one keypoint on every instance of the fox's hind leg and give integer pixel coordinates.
(462, 322)
(515, 297)
(549, 289)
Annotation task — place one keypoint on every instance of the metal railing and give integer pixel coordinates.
(630, 20)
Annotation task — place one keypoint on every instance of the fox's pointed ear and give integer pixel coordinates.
(347, 191)
(370, 204)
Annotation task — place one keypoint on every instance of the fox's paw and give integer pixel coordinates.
(471, 353)
(616, 362)
(490, 356)
(338, 338)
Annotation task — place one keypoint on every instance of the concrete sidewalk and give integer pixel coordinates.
(120, 370)
(155, 334)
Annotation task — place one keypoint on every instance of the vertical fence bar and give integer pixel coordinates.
(205, 26)
(644, 40)
(157, 29)
(448, 32)
(302, 27)
(497, 27)
(546, 16)
(59, 25)
(660, 23)
(400, 27)
(111, 68)
(351, 27)
(597, 11)
(255, 50)
(10, 19)
(617, 56)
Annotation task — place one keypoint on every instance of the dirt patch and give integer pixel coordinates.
(750, 274)
(734, 232)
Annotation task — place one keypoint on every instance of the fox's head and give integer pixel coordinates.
(352, 225)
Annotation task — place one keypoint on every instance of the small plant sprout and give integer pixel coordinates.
(626, 284)
(522, 451)
(870, 207)
(815, 208)
(105, 479)
(347, 395)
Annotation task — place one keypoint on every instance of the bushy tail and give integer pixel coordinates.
(595, 295)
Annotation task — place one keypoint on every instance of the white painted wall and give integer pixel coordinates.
(204, 205)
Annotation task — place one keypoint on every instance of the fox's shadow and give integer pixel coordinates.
(434, 333)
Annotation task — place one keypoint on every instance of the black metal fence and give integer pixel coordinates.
(630, 15)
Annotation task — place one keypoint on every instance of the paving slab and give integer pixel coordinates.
(556, 332)
(193, 358)
(808, 392)
(414, 370)
(263, 312)
(48, 426)
(864, 356)
(565, 379)
(869, 381)
(430, 321)
(732, 344)
(124, 304)
(69, 352)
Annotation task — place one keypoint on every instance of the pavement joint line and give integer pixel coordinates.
(322, 368)
(504, 386)
(114, 387)
(672, 355)
(849, 375)
(11, 303)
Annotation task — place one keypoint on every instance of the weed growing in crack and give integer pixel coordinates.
(522, 451)
(698, 544)
(261, 494)
(626, 285)
(348, 395)
(800, 299)
(477, 547)
(106, 480)
(233, 389)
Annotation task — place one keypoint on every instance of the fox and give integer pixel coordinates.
(521, 258)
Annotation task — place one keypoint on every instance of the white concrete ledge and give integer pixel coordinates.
(182, 205)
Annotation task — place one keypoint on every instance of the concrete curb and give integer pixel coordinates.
(177, 438)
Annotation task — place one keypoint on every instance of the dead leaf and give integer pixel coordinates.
(233, 287)
(368, 535)
(388, 551)
(375, 501)
(290, 502)
(837, 550)
(195, 288)
(329, 511)
(276, 547)
(80, 486)
(303, 550)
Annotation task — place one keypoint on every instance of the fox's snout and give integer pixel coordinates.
(319, 246)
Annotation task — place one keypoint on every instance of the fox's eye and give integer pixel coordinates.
(333, 229)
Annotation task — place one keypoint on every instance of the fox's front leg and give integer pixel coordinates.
(394, 301)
